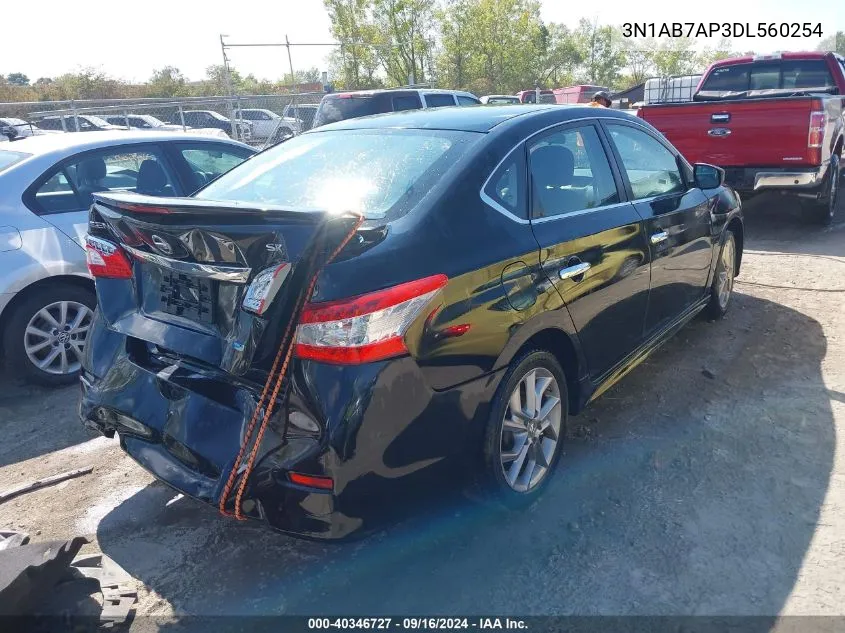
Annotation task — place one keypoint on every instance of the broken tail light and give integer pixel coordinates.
(363, 329)
(106, 259)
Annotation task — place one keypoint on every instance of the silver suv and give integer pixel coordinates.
(338, 106)
(46, 186)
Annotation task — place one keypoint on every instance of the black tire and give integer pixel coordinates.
(823, 211)
(16, 338)
(281, 134)
(492, 483)
(719, 303)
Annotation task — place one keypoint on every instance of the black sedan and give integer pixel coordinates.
(389, 304)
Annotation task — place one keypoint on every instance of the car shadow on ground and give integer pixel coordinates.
(35, 420)
(692, 487)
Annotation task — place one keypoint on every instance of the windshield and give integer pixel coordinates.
(154, 122)
(14, 122)
(338, 108)
(7, 159)
(378, 173)
(95, 120)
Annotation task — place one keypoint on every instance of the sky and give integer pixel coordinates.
(157, 33)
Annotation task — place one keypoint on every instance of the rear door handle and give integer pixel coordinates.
(574, 271)
(658, 238)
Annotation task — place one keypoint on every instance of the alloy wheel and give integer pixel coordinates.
(530, 430)
(726, 274)
(55, 337)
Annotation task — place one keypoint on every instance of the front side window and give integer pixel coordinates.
(652, 169)
(466, 101)
(570, 173)
(379, 173)
(207, 163)
(56, 195)
(439, 101)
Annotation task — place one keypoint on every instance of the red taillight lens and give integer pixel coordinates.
(312, 481)
(366, 328)
(816, 136)
(106, 259)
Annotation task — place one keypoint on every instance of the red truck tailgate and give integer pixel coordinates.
(738, 133)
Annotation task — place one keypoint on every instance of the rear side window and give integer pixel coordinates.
(439, 101)
(380, 173)
(569, 173)
(407, 103)
(465, 101)
(506, 186)
(7, 159)
(71, 187)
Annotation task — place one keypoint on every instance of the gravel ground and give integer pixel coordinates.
(710, 481)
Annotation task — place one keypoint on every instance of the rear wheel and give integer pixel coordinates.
(526, 428)
(46, 335)
(823, 211)
(722, 287)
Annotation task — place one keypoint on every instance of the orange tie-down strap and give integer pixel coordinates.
(274, 379)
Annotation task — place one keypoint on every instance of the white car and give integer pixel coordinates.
(149, 122)
(499, 99)
(266, 124)
(46, 187)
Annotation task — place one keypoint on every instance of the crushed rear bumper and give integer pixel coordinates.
(386, 436)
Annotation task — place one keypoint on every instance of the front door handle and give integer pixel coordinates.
(658, 238)
(575, 270)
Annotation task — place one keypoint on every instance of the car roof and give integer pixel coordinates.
(475, 118)
(465, 118)
(381, 91)
(81, 141)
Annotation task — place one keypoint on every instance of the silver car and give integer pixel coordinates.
(46, 186)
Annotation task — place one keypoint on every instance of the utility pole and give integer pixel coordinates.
(290, 62)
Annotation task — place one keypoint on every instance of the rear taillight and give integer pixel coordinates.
(817, 123)
(366, 328)
(264, 287)
(106, 259)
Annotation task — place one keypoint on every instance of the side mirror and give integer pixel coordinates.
(708, 176)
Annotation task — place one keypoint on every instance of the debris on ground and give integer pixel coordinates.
(43, 483)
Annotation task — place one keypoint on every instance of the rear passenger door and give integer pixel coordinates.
(592, 243)
(677, 221)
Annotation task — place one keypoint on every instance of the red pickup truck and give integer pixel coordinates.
(773, 123)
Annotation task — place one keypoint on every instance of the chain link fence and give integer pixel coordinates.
(259, 120)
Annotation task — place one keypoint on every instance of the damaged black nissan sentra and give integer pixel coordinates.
(396, 302)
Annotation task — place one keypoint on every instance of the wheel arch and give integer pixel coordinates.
(565, 348)
(736, 227)
(46, 282)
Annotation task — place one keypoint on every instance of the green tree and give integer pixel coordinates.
(723, 50)
(455, 60)
(355, 63)
(403, 38)
(17, 79)
(834, 43)
(601, 48)
(676, 57)
(166, 82)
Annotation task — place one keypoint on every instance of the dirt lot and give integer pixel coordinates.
(681, 491)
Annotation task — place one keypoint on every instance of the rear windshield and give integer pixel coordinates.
(800, 74)
(341, 107)
(7, 159)
(380, 173)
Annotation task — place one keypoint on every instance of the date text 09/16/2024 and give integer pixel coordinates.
(722, 29)
(417, 623)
